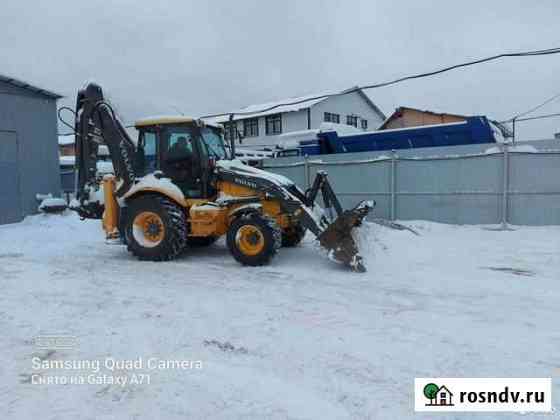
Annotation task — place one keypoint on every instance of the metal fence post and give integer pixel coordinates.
(306, 174)
(505, 179)
(393, 184)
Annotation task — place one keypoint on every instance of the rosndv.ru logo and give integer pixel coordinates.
(483, 394)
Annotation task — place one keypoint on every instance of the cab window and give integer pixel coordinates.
(150, 151)
(213, 142)
(146, 155)
(178, 143)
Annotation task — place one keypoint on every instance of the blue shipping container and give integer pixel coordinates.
(475, 130)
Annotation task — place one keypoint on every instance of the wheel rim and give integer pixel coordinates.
(148, 229)
(250, 240)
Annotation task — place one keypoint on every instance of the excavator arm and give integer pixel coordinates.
(96, 124)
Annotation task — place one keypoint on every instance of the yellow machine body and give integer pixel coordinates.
(206, 218)
(111, 213)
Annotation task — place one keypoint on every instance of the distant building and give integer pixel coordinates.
(410, 117)
(557, 136)
(28, 147)
(66, 145)
(67, 152)
(262, 128)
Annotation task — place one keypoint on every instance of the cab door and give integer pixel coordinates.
(180, 158)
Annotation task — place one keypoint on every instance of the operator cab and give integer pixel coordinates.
(183, 148)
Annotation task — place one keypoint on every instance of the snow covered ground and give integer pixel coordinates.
(302, 338)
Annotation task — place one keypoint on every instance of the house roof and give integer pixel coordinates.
(398, 111)
(298, 103)
(24, 85)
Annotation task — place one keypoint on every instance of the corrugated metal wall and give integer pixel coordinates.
(10, 191)
(477, 184)
(30, 119)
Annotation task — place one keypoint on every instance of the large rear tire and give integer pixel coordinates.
(156, 228)
(253, 239)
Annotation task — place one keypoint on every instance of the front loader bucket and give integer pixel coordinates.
(337, 239)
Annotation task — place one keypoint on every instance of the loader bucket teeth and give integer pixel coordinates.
(337, 239)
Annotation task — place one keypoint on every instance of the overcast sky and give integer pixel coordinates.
(157, 57)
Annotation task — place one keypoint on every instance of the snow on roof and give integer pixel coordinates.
(339, 128)
(24, 85)
(303, 102)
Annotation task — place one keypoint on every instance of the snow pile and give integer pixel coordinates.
(53, 205)
(300, 338)
(522, 148)
(156, 183)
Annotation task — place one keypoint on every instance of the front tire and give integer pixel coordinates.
(156, 229)
(253, 239)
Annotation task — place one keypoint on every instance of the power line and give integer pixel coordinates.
(549, 100)
(539, 117)
(507, 133)
(399, 80)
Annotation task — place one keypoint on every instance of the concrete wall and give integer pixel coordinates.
(31, 120)
(475, 184)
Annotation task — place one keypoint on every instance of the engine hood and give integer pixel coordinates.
(238, 167)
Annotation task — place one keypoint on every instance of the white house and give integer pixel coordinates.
(261, 129)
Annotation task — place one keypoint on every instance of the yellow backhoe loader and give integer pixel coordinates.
(178, 186)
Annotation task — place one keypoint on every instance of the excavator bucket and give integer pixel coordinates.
(336, 231)
(338, 240)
